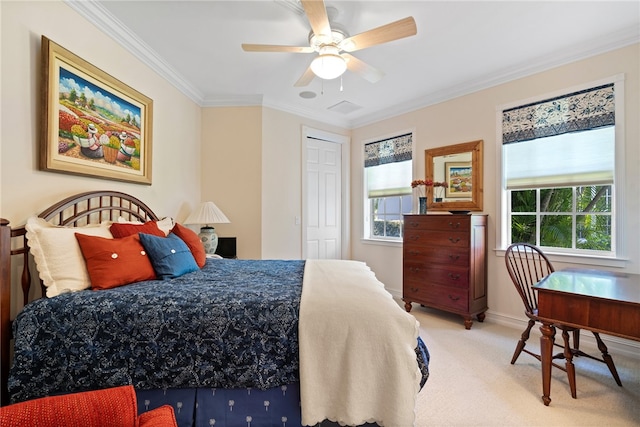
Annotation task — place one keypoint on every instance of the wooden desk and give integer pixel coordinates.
(595, 300)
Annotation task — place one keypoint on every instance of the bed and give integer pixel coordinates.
(226, 342)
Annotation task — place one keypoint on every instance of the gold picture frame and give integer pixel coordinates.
(92, 124)
(459, 179)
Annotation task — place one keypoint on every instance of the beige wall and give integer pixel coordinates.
(24, 189)
(473, 117)
(251, 168)
(281, 186)
(232, 172)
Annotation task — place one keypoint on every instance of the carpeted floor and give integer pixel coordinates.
(472, 382)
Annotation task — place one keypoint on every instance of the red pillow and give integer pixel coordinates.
(193, 242)
(122, 229)
(115, 262)
(162, 416)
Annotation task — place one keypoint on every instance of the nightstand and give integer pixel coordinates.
(226, 247)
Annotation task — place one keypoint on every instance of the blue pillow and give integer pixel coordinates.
(170, 256)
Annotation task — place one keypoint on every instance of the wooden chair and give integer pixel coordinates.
(527, 265)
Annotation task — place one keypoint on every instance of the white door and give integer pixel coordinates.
(323, 199)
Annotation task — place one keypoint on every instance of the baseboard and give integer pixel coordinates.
(615, 345)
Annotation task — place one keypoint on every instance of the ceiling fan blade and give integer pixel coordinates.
(363, 69)
(317, 15)
(305, 79)
(396, 30)
(275, 48)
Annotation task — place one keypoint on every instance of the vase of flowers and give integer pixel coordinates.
(420, 186)
(438, 190)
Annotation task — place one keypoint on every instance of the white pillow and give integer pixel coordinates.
(58, 256)
(165, 224)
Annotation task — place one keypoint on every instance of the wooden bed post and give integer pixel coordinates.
(5, 308)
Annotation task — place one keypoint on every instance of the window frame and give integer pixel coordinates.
(574, 213)
(367, 214)
(503, 220)
(401, 220)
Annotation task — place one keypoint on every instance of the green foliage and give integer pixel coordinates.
(555, 207)
(392, 228)
(73, 95)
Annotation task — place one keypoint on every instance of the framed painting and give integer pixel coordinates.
(459, 179)
(92, 124)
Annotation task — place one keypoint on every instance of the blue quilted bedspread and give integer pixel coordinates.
(233, 324)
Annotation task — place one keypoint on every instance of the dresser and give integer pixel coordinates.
(445, 265)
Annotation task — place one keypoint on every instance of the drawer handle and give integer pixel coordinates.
(453, 276)
(414, 269)
(454, 257)
(413, 224)
(414, 252)
(454, 298)
(414, 237)
(454, 239)
(452, 225)
(414, 289)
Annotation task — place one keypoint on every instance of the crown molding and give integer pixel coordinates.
(328, 117)
(95, 13)
(228, 100)
(575, 53)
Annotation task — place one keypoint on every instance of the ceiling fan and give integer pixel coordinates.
(333, 44)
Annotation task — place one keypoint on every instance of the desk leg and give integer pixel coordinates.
(569, 366)
(546, 354)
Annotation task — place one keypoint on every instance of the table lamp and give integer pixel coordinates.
(208, 213)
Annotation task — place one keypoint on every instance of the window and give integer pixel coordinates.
(559, 172)
(388, 171)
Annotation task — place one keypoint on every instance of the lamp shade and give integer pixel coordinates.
(207, 213)
(329, 64)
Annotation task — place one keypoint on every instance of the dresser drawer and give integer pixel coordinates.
(421, 274)
(438, 222)
(446, 297)
(444, 263)
(453, 239)
(437, 255)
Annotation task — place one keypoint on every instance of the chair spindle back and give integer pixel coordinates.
(527, 265)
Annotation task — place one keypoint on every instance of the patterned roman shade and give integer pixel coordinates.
(397, 149)
(561, 142)
(575, 112)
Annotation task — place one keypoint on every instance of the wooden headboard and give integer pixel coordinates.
(81, 209)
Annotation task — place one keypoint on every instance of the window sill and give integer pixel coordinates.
(382, 242)
(593, 260)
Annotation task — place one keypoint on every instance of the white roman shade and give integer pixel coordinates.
(585, 158)
(561, 142)
(388, 166)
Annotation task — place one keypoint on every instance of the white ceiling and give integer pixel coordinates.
(460, 47)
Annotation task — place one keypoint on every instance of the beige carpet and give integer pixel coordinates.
(472, 382)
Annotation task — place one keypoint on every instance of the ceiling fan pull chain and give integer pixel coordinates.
(341, 89)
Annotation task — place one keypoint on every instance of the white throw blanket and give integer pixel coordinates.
(357, 348)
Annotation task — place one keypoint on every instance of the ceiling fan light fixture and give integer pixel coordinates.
(329, 64)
